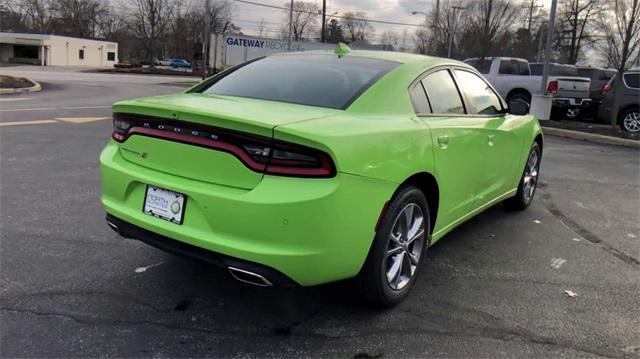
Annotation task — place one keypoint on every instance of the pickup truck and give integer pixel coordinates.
(516, 79)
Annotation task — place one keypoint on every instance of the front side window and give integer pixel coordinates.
(442, 93)
(315, 80)
(483, 100)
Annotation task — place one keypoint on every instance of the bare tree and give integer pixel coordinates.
(422, 39)
(79, 17)
(486, 26)
(304, 21)
(356, 26)
(39, 15)
(149, 22)
(260, 27)
(620, 26)
(575, 18)
(389, 39)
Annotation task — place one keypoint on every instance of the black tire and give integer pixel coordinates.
(630, 126)
(524, 196)
(372, 279)
(520, 96)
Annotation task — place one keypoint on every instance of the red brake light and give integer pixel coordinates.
(605, 88)
(260, 154)
(553, 87)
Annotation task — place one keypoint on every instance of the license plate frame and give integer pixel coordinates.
(165, 204)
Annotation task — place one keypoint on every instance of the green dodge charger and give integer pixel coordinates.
(308, 168)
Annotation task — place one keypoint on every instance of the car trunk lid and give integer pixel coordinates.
(175, 134)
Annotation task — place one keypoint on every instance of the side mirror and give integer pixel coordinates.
(518, 107)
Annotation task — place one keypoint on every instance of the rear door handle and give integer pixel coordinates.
(443, 141)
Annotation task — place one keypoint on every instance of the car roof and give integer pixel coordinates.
(497, 58)
(401, 57)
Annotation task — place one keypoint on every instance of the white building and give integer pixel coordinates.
(54, 50)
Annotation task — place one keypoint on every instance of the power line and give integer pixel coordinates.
(336, 16)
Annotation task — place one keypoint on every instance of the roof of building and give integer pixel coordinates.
(27, 36)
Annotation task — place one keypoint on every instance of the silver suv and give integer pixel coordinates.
(621, 101)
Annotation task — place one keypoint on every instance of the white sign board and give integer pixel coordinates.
(230, 50)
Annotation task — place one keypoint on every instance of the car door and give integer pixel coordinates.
(459, 146)
(502, 145)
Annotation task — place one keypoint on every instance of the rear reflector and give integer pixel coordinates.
(258, 153)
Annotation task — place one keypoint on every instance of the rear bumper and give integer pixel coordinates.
(128, 230)
(312, 231)
(564, 102)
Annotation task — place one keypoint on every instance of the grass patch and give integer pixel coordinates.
(11, 82)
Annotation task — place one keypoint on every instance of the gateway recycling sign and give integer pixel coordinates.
(233, 49)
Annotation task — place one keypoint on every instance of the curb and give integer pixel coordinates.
(591, 137)
(35, 88)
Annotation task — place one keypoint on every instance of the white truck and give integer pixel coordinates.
(516, 79)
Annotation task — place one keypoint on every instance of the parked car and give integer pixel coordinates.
(621, 101)
(599, 77)
(324, 174)
(162, 62)
(176, 63)
(570, 91)
(509, 75)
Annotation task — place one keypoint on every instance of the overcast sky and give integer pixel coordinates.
(246, 16)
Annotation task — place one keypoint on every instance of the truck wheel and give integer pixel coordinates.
(520, 96)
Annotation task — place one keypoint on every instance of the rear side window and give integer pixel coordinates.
(482, 99)
(536, 69)
(314, 80)
(514, 67)
(419, 99)
(482, 65)
(442, 93)
(632, 80)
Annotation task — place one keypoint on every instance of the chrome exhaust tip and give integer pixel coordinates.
(249, 277)
(113, 226)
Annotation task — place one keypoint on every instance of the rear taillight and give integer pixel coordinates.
(605, 88)
(553, 87)
(260, 154)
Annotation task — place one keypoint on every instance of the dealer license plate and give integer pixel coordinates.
(164, 204)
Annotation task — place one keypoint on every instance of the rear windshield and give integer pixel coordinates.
(314, 80)
(482, 65)
(560, 70)
(555, 70)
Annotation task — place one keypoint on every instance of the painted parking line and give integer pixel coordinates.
(81, 119)
(74, 120)
(13, 99)
(25, 123)
(53, 108)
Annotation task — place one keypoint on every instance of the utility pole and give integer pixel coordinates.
(547, 50)
(452, 27)
(324, 20)
(205, 39)
(290, 24)
(436, 25)
(532, 6)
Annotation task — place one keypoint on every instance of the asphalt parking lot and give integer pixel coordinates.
(494, 287)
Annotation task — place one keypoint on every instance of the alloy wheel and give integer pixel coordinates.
(405, 246)
(631, 121)
(531, 175)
